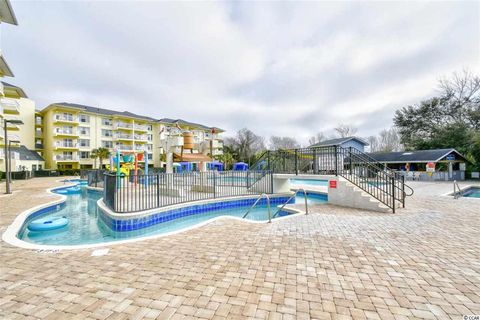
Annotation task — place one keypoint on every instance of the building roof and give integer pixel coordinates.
(27, 154)
(434, 155)
(19, 90)
(338, 141)
(6, 12)
(188, 123)
(107, 112)
(5, 70)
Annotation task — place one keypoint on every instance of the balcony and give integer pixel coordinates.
(123, 147)
(65, 145)
(123, 126)
(65, 132)
(38, 146)
(141, 137)
(66, 157)
(10, 106)
(39, 134)
(217, 152)
(216, 144)
(140, 127)
(65, 119)
(123, 136)
(38, 122)
(12, 127)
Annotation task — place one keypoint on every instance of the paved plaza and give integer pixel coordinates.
(335, 263)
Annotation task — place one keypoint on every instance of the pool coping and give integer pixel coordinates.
(10, 234)
(468, 186)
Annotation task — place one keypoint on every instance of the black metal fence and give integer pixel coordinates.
(94, 178)
(384, 184)
(143, 192)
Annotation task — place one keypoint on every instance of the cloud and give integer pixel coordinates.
(291, 68)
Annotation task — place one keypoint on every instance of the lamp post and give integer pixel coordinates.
(6, 148)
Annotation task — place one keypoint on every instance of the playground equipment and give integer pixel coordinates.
(240, 166)
(129, 164)
(180, 147)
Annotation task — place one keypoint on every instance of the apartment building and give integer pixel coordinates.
(71, 131)
(15, 105)
(67, 133)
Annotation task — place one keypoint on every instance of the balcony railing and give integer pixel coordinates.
(63, 144)
(39, 122)
(65, 157)
(60, 131)
(10, 106)
(141, 137)
(64, 118)
(123, 125)
(123, 136)
(123, 147)
(140, 127)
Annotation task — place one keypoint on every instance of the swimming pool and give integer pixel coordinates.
(472, 192)
(310, 182)
(86, 226)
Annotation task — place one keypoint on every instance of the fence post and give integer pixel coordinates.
(214, 186)
(158, 190)
(268, 159)
(350, 157)
(296, 162)
(315, 162)
(336, 160)
(393, 193)
(403, 190)
(271, 182)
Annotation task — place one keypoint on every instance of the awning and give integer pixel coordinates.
(191, 157)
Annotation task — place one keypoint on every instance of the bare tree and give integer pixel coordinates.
(388, 140)
(319, 137)
(344, 131)
(245, 144)
(277, 142)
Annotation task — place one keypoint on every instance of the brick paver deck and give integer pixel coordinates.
(336, 263)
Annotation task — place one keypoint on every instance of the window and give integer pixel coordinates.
(107, 144)
(84, 142)
(150, 156)
(149, 137)
(84, 154)
(149, 127)
(39, 167)
(107, 122)
(107, 133)
(84, 131)
(149, 147)
(83, 118)
(34, 167)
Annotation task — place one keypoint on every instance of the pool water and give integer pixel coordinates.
(472, 192)
(85, 227)
(310, 182)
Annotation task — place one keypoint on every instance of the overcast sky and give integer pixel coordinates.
(278, 68)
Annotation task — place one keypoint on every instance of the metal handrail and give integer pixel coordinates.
(459, 193)
(256, 202)
(294, 195)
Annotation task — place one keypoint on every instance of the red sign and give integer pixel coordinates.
(332, 184)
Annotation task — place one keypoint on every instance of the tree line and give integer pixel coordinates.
(450, 119)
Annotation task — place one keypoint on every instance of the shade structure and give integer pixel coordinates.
(191, 157)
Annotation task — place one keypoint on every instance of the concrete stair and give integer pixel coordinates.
(348, 195)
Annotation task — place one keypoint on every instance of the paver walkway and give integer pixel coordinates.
(335, 263)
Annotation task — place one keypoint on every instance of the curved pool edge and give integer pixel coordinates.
(10, 234)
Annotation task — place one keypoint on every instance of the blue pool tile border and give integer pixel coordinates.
(125, 225)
